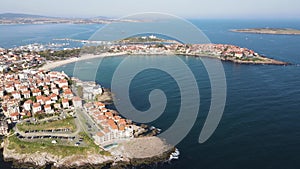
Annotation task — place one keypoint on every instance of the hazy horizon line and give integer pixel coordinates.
(184, 17)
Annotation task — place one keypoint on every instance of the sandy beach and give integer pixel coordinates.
(53, 64)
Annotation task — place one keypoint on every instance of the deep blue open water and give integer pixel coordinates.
(260, 126)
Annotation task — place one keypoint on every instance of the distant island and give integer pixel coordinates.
(15, 18)
(276, 31)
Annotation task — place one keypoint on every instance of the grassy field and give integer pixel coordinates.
(24, 147)
(60, 124)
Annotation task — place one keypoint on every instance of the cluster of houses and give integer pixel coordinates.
(231, 50)
(16, 60)
(141, 49)
(216, 49)
(194, 49)
(114, 126)
(31, 92)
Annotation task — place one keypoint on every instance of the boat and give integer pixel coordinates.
(174, 155)
(154, 128)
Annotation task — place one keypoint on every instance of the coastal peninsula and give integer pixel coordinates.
(223, 52)
(275, 31)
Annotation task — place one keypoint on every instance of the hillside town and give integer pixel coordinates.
(31, 95)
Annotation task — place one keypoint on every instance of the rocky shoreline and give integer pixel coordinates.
(129, 160)
(268, 61)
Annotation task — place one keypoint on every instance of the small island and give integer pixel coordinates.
(275, 31)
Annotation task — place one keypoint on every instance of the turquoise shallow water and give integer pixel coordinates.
(260, 126)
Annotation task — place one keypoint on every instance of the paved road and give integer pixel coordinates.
(87, 123)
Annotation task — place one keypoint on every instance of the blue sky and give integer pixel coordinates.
(184, 8)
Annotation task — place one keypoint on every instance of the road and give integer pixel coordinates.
(87, 123)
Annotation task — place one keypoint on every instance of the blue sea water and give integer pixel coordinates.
(260, 126)
(17, 35)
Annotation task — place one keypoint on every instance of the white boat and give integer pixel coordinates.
(173, 158)
(174, 155)
(154, 128)
(176, 152)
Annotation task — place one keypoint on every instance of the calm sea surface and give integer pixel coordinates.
(260, 126)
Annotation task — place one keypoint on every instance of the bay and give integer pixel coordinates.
(259, 127)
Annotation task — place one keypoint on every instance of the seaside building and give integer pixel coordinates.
(77, 102)
(114, 126)
(91, 90)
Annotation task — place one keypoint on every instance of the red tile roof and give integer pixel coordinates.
(65, 100)
(35, 105)
(47, 106)
(14, 114)
(100, 134)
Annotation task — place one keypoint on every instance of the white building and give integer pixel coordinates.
(26, 94)
(16, 95)
(9, 88)
(91, 90)
(65, 103)
(48, 108)
(36, 107)
(27, 105)
(77, 103)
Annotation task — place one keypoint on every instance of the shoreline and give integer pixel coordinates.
(121, 156)
(54, 64)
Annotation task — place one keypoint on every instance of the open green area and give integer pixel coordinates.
(59, 55)
(141, 39)
(251, 59)
(45, 145)
(67, 123)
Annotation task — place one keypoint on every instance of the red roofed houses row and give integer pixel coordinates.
(115, 127)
